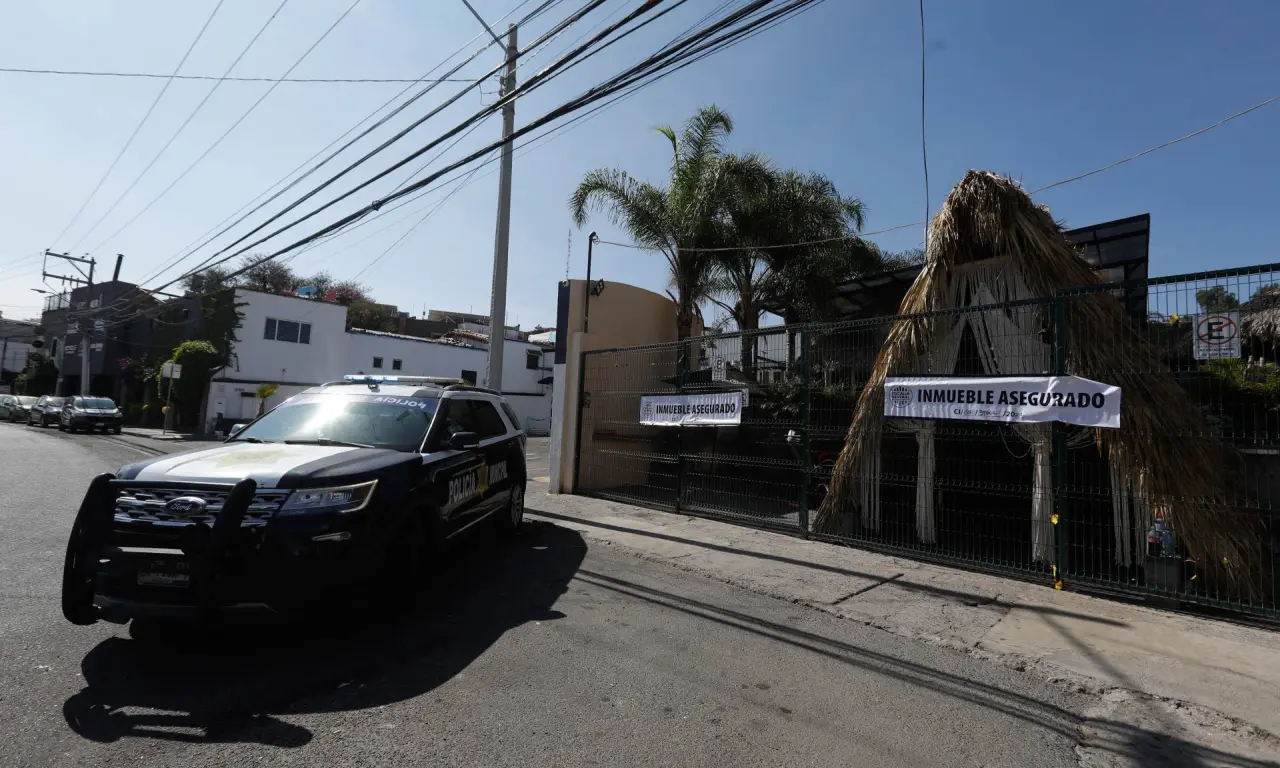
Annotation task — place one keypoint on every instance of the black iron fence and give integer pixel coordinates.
(1049, 502)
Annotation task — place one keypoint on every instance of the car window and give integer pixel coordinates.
(478, 416)
(383, 421)
(511, 416)
(26, 400)
(54, 402)
(104, 403)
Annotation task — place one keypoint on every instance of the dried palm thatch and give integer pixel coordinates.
(1260, 315)
(1163, 452)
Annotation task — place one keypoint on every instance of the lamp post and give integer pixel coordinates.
(586, 307)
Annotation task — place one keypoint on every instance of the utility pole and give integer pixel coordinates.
(85, 347)
(498, 305)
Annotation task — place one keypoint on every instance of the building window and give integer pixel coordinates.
(377, 362)
(532, 360)
(469, 377)
(396, 364)
(287, 330)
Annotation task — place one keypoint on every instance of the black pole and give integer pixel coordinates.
(586, 307)
(119, 260)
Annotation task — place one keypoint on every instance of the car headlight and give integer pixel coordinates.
(342, 498)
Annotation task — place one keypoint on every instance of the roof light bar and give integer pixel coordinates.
(368, 379)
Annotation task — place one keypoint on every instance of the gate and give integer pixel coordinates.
(1040, 502)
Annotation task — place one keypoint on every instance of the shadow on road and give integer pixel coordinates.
(228, 685)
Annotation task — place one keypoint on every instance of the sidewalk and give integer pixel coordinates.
(153, 433)
(1144, 664)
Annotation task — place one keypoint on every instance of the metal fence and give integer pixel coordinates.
(1040, 502)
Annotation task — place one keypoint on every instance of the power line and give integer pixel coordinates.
(191, 248)
(924, 142)
(234, 125)
(696, 46)
(120, 198)
(226, 78)
(1144, 152)
(487, 111)
(821, 241)
(207, 238)
(129, 142)
(646, 68)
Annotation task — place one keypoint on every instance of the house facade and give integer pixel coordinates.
(296, 343)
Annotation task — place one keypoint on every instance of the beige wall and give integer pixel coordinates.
(620, 316)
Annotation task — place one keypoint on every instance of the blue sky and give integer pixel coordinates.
(1041, 91)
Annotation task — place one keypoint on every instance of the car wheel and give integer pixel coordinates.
(62, 427)
(115, 430)
(509, 521)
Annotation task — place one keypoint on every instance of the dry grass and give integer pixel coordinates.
(1167, 446)
(1260, 315)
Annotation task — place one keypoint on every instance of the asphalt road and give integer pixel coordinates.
(542, 651)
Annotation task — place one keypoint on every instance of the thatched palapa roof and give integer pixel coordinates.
(1260, 315)
(1164, 448)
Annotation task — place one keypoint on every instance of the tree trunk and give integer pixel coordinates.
(684, 329)
(749, 322)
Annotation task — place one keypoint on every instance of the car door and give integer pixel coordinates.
(457, 474)
(495, 444)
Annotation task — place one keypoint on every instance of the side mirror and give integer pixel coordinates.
(235, 429)
(462, 441)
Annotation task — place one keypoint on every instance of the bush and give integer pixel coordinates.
(197, 359)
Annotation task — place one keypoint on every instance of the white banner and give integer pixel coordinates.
(1013, 399)
(715, 409)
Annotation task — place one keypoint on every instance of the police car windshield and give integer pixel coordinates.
(379, 421)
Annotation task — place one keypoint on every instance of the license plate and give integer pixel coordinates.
(150, 579)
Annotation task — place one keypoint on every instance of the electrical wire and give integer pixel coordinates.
(316, 190)
(172, 138)
(382, 146)
(535, 13)
(627, 78)
(924, 142)
(858, 236)
(1145, 152)
(137, 128)
(226, 78)
(669, 58)
(207, 237)
(234, 125)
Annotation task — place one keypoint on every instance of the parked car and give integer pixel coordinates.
(90, 413)
(346, 491)
(14, 407)
(46, 411)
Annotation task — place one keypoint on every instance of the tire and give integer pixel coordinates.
(115, 431)
(512, 517)
(62, 427)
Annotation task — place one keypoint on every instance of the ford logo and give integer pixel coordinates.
(185, 505)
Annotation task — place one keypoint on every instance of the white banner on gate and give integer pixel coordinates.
(715, 409)
(1011, 399)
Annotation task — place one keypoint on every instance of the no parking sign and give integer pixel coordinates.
(1217, 336)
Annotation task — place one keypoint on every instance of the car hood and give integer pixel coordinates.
(274, 465)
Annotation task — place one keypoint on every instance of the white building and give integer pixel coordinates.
(299, 343)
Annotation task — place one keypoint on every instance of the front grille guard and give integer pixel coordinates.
(91, 531)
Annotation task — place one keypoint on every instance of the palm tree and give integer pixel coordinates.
(682, 219)
(798, 240)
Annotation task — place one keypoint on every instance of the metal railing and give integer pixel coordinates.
(1054, 504)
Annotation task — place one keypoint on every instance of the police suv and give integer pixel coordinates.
(344, 488)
